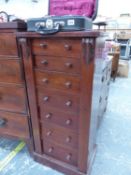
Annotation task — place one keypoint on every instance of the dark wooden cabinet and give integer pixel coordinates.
(14, 114)
(64, 77)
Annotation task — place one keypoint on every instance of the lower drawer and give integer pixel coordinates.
(12, 124)
(13, 99)
(60, 153)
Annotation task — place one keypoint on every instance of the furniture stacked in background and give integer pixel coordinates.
(115, 53)
(67, 81)
(14, 112)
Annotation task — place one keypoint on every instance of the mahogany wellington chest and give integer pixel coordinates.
(64, 76)
(13, 99)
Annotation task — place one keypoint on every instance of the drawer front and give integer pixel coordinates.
(59, 47)
(60, 64)
(59, 135)
(58, 81)
(12, 124)
(8, 46)
(10, 71)
(65, 120)
(59, 100)
(60, 153)
(13, 99)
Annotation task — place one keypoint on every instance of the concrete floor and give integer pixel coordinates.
(114, 140)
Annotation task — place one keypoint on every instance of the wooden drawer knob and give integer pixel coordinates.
(2, 123)
(69, 65)
(68, 84)
(45, 80)
(68, 157)
(43, 45)
(68, 47)
(68, 139)
(49, 133)
(68, 103)
(48, 116)
(46, 98)
(50, 150)
(44, 62)
(68, 122)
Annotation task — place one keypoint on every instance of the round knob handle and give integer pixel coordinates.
(68, 157)
(49, 133)
(46, 98)
(69, 65)
(68, 139)
(68, 47)
(45, 80)
(44, 45)
(68, 84)
(68, 103)
(50, 150)
(68, 122)
(48, 116)
(45, 62)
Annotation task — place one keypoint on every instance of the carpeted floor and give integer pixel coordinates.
(114, 140)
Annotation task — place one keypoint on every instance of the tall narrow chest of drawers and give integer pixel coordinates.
(13, 99)
(59, 71)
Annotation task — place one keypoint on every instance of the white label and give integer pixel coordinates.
(71, 22)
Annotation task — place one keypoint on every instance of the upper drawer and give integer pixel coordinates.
(58, 81)
(57, 47)
(10, 71)
(13, 99)
(13, 124)
(8, 46)
(61, 64)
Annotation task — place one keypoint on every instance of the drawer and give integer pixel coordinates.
(59, 100)
(13, 99)
(58, 81)
(60, 153)
(59, 135)
(13, 124)
(59, 47)
(61, 64)
(8, 46)
(10, 71)
(64, 119)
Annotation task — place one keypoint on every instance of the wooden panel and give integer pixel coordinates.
(13, 99)
(59, 135)
(59, 47)
(61, 64)
(14, 125)
(58, 81)
(10, 71)
(60, 153)
(57, 99)
(8, 46)
(64, 119)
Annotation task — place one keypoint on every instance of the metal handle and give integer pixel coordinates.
(2, 122)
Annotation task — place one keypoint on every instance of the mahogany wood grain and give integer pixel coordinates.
(60, 64)
(15, 125)
(59, 47)
(58, 81)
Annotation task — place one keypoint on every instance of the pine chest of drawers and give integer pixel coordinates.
(13, 99)
(59, 71)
